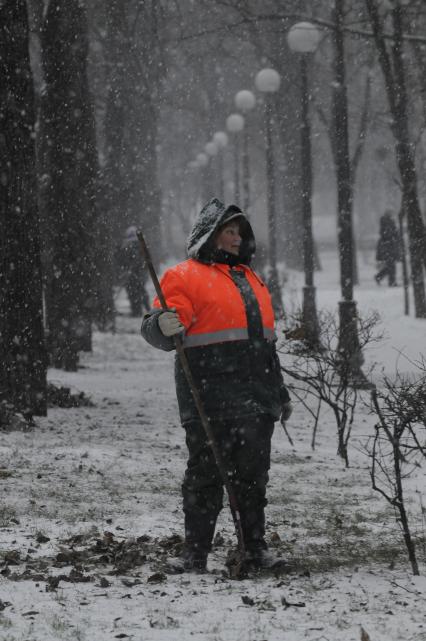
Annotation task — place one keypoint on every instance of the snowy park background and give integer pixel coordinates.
(112, 472)
(117, 115)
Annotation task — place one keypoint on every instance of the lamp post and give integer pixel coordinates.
(191, 173)
(202, 161)
(235, 124)
(221, 140)
(268, 81)
(211, 149)
(245, 101)
(303, 38)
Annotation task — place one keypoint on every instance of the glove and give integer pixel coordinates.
(170, 324)
(286, 412)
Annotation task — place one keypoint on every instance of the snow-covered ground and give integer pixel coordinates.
(91, 496)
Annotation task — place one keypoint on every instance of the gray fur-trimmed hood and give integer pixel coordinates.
(212, 216)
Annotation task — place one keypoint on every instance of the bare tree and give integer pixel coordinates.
(398, 444)
(22, 349)
(358, 145)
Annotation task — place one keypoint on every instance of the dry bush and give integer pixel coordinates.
(326, 374)
(399, 444)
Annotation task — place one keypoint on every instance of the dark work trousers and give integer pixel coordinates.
(245, 445)
(389, 270)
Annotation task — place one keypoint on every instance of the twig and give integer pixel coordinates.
(403, 588)
(314, 431)
(287, 434)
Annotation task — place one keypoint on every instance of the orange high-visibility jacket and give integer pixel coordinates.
(209, 304)
(229, 335)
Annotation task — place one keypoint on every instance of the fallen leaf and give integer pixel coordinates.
(41, 538)
(130, 584)
(364, 635)
(12, 557)
(288, 604)
(157, 577)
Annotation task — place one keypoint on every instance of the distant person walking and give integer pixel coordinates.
(131, 272)
(388, 249)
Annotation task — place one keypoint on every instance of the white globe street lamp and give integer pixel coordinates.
(220, 138)
(211, 148)
(268, 82)
(202, 160)
(235, 124)
(245, 101)
(303, 38)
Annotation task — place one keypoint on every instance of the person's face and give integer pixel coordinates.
(229, 239)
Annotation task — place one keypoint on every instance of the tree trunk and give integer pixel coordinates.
(405, 151)
(69, 152)
(115, 178)
(22, 349)
(289, 136)
(146, 202)
(342, 159)
(394, 75)
(131, 121)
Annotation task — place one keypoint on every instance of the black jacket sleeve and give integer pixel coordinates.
(284, 394)
(153, 334)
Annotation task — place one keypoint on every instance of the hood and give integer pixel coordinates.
(212, 216)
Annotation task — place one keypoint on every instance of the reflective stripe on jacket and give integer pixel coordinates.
(233, 360)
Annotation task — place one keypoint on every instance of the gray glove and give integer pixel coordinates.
(286, 412)
(170, 324)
